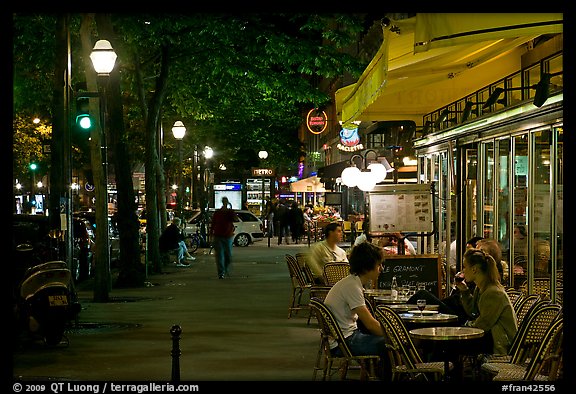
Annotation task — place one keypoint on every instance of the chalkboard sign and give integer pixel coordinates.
(412, 270)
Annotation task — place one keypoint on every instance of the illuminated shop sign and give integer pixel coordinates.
(263, 172)
(228, 186)
(350, 140)
(316, 121)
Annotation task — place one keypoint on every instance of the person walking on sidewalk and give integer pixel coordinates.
(222, 231)
(172, 239)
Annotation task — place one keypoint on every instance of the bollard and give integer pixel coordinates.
(175, 331)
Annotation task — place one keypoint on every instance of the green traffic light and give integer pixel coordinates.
(33, 166)
(84, 121)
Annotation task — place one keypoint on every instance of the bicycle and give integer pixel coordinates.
(196, 240)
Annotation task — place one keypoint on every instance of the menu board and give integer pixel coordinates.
(412, 270)
(401, 208)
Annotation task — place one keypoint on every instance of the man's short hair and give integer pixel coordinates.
(331, 227)
(364, 257)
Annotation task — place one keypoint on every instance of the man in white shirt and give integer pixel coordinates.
(326, 251)
(346, 301)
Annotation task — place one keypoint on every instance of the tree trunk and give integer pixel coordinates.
(152, 166)
(131, 272)
(102, 253)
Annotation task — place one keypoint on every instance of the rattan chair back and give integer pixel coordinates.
(301, 258)
(524, 306)
(531, 333)
(329, 329)
(546, 363)
(404, 356)
(299, 286)
(334, 271)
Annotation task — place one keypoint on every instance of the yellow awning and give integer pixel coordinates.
(441, 30)
(404, 84)
(311, 185)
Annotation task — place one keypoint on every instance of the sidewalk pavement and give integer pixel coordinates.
(233, 329)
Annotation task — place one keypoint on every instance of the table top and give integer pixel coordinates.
(430, 318)
(398, 308)
(377, 292)
(386, 299)
(447, 333)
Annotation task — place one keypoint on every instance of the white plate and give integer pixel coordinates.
(424, 312)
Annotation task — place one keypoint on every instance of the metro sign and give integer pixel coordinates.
(263, 172)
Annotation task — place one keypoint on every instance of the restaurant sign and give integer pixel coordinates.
(316, 121)
(263, 172)
(350, 140)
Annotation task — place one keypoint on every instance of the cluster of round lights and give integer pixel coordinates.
(366, 179)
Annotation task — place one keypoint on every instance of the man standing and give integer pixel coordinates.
(222, 231)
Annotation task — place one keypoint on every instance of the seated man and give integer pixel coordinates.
(172, 239)
(326, 251)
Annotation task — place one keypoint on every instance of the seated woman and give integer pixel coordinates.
(488, 304)
(346, 301)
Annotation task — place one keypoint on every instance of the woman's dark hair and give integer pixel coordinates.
(472, 241)
(330, 227)
(364, 257)
(486, 262)
(521, 230)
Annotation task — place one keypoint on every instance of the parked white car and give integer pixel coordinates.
(248, 228)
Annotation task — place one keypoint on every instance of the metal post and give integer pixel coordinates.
(180, 202)
(103, 84)
(175, 332)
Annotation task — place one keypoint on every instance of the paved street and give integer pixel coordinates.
(232, 329)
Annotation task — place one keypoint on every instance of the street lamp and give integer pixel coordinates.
(370, 174)
(179, 130)
(103, 59)
(263, 155)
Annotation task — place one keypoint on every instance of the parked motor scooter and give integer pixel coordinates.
(45, 303)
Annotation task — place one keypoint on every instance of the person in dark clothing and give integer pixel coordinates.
(282, 215)
(171, 239)
(222, 231)
(296, 222)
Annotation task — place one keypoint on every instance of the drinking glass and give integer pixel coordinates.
(406, 292)
(412, 290)
(421, 304)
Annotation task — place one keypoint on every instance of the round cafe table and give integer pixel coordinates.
(387, 299)
(427, 318)
(451, 340)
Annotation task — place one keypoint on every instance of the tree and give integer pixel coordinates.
(237, 81)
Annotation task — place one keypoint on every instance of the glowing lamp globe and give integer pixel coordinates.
(378, 171)
(366, 181)
(350, 176)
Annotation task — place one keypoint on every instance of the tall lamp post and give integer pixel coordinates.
(179, 130)
(263, 155)
(368, 176)
(103, 59)
(208, 153)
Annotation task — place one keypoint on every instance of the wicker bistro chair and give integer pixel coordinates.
(546, 364)
(525, 305)
(319, 292)
(334, 271)
(325, 361)
(514, 295)
(299, 286)
(406, 361)
(527, 339)
(304, 267)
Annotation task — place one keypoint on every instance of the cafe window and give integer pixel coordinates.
(487, 193)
